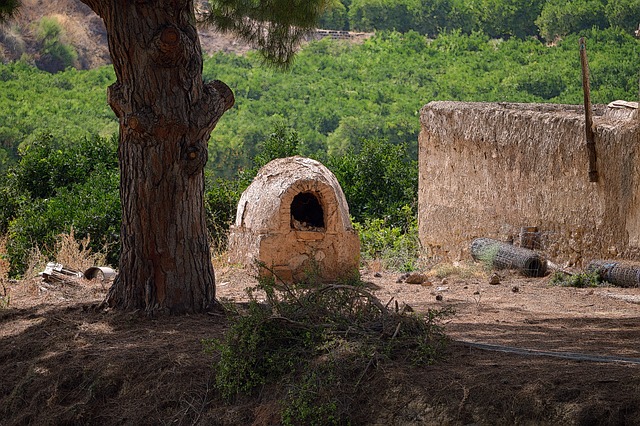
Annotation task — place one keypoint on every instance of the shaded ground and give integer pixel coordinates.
(64, 362)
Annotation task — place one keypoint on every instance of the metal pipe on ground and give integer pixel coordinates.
(501, 255)
(617, 272)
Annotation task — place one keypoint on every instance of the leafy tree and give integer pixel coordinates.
(559, 17)
(57, 185)
(624, 14)
(55, 55)
(500, 18)
(335, 17)
(438, 16)
(378, 180)
(369, 15)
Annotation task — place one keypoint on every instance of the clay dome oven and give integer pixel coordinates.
(294, 218)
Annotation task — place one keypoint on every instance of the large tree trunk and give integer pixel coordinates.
(166, 115)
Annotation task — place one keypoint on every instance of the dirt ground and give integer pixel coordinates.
(522, 352)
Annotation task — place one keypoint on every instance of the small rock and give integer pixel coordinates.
(416, 278)
(439, 297)
(402, 277)
(377, 275)
(515, 289)
(494, 279)
(444, 281)
(476, 292)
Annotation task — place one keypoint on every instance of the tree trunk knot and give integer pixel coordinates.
(171, 50)
(116, 100)
(195, 158)
(225, 92)
(141, 122)
(169, 38)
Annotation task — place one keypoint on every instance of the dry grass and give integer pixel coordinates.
(458, 269)
(4, 260)
(5, 293)
(72, 253)
(77, 254)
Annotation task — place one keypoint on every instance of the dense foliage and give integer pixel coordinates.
(60, 184)
(337, 95)
(54, 54)
(352, 106)
(68, 105)
(496, 18)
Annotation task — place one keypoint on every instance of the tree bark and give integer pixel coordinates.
(166, 116)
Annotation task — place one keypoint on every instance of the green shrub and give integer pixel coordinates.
(335, 17)
(55, 54)
(58, 186)
(624, 14)
(322, 343)
(50, 163)
(581, 280)
(378, 181)
(91, 209)
(559, 17)
(221, 200)
(397, 247)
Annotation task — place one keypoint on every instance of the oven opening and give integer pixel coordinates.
(307, 213)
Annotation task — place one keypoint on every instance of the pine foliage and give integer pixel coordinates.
(275, 27)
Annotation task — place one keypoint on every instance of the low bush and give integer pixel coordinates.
(397, 247)
(580, 280)
(323, 342)
(55, 54)
(57, 186)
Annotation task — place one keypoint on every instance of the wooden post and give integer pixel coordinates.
(588, 116)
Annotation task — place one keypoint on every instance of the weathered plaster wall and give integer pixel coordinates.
(488, 169)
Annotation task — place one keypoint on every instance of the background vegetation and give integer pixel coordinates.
(496, 18)
(355, 107)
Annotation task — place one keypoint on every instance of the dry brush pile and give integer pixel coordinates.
(323, 342)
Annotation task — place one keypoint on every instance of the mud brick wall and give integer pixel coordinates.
(489, 169)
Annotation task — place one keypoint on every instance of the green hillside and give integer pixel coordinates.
(336, 93)
(353, 106)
